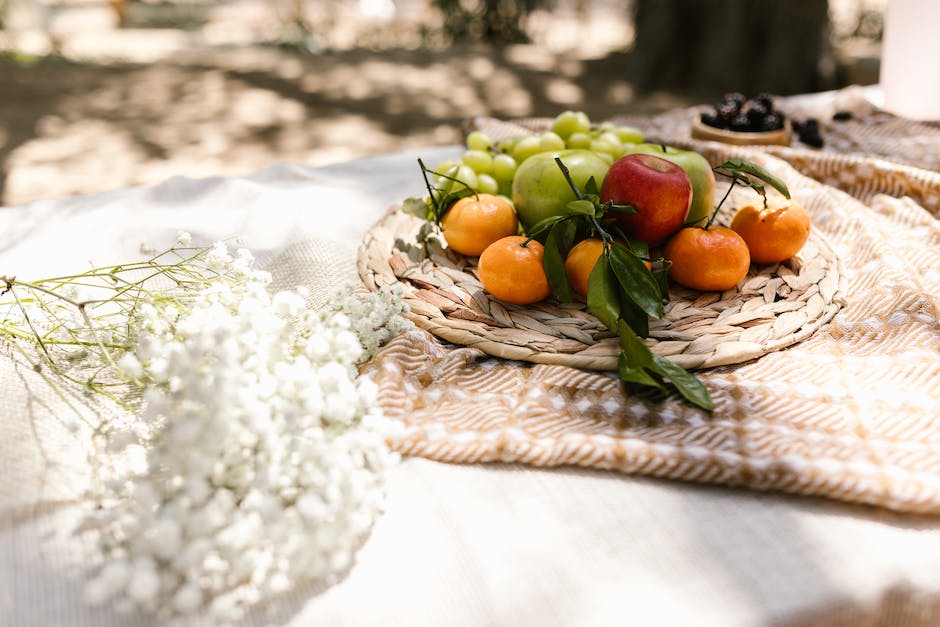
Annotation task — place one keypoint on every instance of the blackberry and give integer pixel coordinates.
(841, 116)
(810, 125)
(808, 133)
(711, 119)
(765, 100)
(756, 112)
(727, 111)
(771, 122)
(740, 123)
(737, 98)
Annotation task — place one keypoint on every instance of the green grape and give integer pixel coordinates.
(550, 142)
(579, 140)
(504, 167)
(486, 184)
(463, 173)
(478, 140)
(568, 122)
(506, 145)
(479, 160)
(603, 146)
(608, 142)
(445, 166)
(629, 135)
(606, 156)
(525, 148)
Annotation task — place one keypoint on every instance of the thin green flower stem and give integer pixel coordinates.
(37, 367)
(23, 335)
(104, 352)
(30, 324)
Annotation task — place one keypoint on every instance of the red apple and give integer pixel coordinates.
(660, 191)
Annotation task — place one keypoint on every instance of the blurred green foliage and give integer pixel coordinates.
(489, 20)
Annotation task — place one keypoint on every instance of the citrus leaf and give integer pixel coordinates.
(637, 354)
(631, 313)
(631, 374)
(752, 169)
(636, 280)
(418, 207)
(544, 225)
(559, 241)
(627, 209)
(590, 188)
(662, 279)
(687, 384)
(603, 294)
(581, 207)
(640, 247)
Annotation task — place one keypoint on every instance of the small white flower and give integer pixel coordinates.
(144, 584)
(183, 238)
(267, 467)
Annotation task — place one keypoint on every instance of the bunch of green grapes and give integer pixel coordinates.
(488, 167)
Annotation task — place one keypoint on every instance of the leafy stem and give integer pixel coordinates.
(748, 174)
(439, 199)
(74, 341)
(622, 291)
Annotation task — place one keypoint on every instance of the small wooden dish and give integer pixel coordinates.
(781, 137)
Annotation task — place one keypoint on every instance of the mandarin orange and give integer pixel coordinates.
(511, 270)
(580, 262)
(475, 222)
(710, 260)
(774, 233)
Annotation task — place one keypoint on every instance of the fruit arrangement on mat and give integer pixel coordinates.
(592, 220)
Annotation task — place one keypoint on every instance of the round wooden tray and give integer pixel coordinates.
(772, 308)
(781, 137)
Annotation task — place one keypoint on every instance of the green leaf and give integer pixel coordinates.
(640, 247)
(544, 225)
(590, 188)
(752, 169)
(662, 279)
(636, 280)
(636, 356)
(631, 313)
(634, 350)
(688, 385)
(581, 207)
(418, 207)
(631, 374)
(627, 209)
(603, 294)
(559, 241)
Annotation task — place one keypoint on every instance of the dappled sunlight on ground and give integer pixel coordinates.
(214, 113)
(208, 101)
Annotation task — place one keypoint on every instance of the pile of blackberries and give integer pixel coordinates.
(808, 132)
(736, 113)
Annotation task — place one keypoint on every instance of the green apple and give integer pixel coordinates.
(539, 188)
(696, 167)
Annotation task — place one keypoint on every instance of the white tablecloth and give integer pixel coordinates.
(462, 545)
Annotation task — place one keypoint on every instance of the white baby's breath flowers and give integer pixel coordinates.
(263, 460)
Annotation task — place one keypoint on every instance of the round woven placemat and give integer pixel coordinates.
(773, 307)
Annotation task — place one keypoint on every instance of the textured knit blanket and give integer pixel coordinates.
(851, 412)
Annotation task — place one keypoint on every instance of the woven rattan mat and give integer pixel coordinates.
(773, 307)
(851, 412)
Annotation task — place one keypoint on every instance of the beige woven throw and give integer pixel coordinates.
(847, 406)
